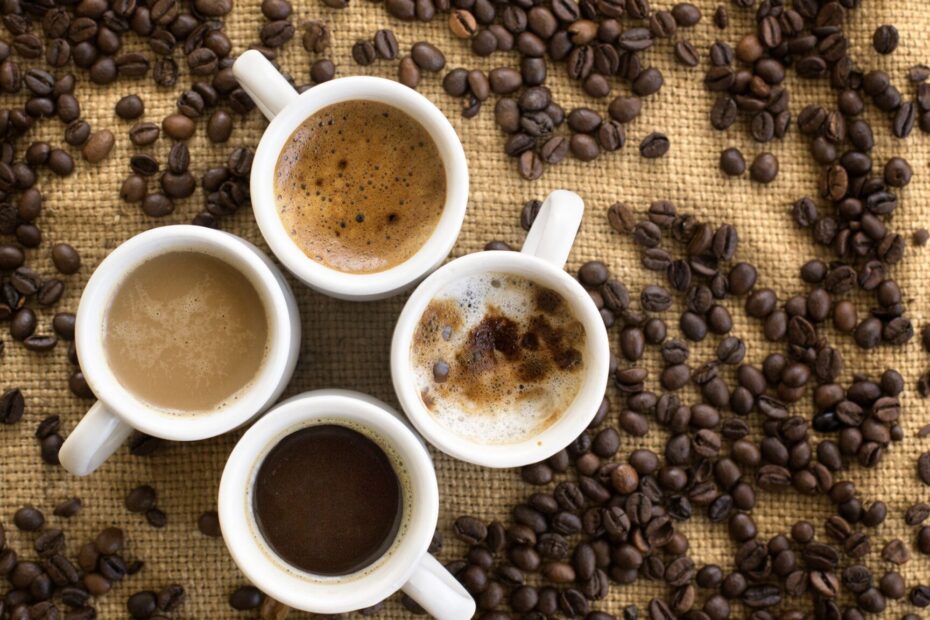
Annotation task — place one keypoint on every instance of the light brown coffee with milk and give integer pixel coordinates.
(360, 186)
(186, 332)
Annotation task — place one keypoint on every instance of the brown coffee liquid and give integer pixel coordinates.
(186, 332)
(360, 186)
(327, 500)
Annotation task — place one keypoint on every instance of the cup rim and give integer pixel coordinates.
(570, 424)
(286, 583)
(95, 301)
(365, 285)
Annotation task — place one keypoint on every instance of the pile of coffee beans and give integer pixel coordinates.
(613, 521)
(596, 48)
(54, 586)
(25, 293)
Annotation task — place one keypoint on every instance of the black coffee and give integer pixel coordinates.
(327, 500)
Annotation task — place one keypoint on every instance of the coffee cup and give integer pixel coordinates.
(121, 409)
(402, 563)
(287, 111)
(540, 267)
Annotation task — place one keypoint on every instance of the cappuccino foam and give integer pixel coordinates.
(498, 358)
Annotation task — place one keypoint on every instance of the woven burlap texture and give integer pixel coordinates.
(346, 344)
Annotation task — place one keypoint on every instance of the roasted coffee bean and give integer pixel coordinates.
(11, 257)
(12, 406)
(144, 134)
(156, 518)
(98, 146)
(654, 145)
(732, 162)
(923, 468)
(385, 44)
(144, 164)
(142, 604)
(648, 82)
(141, 499)
(764, 168)
(363, 52)
(178, 126)
(68, 508)
(28, 519)
(408, 72)
(133, 188)
(462, 24)
(917, 514)
(427, 57)
(686, 54)
(272, 34)
(60, 162)
(50, 292)
(470, 530)
(624, 109)
(51, 541)
(316, 37)
(23, 324)
(584, 147)
(621, 218)
(157, 205)
(885, 39)
(245, 598)
(276, 9)
(455, 82)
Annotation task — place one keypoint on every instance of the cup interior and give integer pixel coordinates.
(437, 247)
(567, 426)
(325, 593)
(91, 324)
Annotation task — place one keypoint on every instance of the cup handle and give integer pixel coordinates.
(96, 437)
(438, 592)
(263, 83)
(553, 231)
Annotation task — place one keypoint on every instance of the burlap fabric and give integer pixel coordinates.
(346, 344)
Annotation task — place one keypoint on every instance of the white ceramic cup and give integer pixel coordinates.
(286, 110)
(405, 565)
(118, 412)
(541, 260)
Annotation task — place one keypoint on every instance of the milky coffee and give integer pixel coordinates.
(497, 357)
(360, 186)
(186, 332)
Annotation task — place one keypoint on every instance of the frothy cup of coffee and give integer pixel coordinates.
(329, 503)
(359, 185)
(182, 333)
(501, 358)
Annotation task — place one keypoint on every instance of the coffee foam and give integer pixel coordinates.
(514, 352)
(360, 186)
